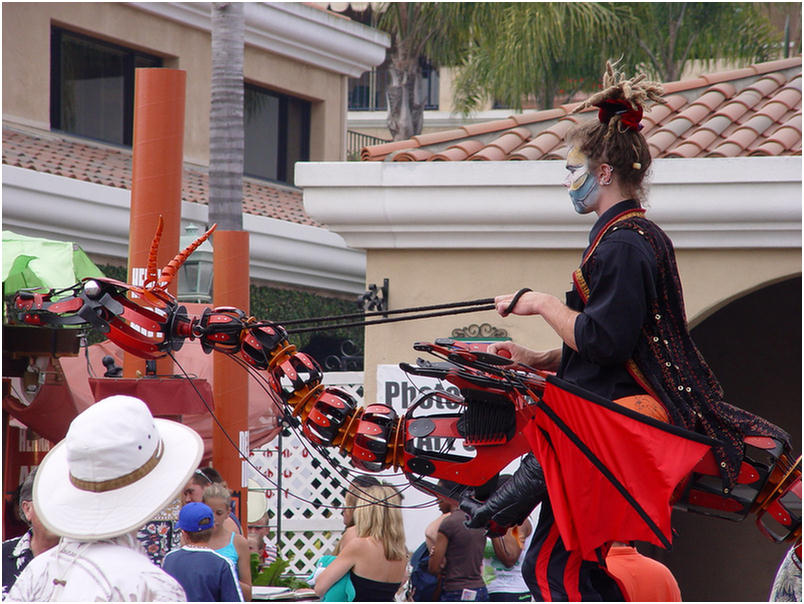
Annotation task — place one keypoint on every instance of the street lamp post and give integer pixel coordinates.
(195, 275)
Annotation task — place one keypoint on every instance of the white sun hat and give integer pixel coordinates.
(116, 468)
(257, 503)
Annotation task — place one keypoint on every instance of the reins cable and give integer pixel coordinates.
(246, 456)
(393, 320)
(384, 313)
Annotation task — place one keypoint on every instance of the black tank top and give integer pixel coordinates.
(367, 590)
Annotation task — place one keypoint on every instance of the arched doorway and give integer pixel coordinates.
(753, 344)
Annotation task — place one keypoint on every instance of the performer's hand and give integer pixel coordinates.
(526, 305)
(509, 350)
(548, 360)
(479, 514)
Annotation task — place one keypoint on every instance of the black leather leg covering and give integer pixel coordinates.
(511, 503)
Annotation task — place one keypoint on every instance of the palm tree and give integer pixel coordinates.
(226, 138)
(670, 34)
(438, 30)
(491, 42)
(520, 50)
(512, 51)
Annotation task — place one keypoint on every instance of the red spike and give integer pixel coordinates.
(150, 271)
(172, 268)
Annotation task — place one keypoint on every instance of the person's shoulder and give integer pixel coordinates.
(452, 522)
(623, 240)
(240, 540)
(362, 548)
(10, 544)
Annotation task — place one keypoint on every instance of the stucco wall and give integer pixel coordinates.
(710, 278)
(26, 69)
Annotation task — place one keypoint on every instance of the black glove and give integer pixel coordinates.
(511, 503)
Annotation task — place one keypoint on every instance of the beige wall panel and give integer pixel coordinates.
(425, 277)
(26, 62)
(713, 278)
(116, 23)
(710, 278)
(26, 68)
(324, 88)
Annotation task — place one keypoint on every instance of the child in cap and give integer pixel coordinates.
(205, 575)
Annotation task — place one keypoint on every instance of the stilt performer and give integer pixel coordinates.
(623, 422)
(625, 339)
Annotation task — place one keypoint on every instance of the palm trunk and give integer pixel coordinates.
(226, 139)
(405, 106)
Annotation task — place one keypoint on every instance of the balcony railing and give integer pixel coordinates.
(355, 141)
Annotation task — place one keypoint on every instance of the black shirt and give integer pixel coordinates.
(621, 275)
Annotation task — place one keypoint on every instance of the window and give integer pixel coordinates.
(92, 86)
(277, 133)
(367, 93)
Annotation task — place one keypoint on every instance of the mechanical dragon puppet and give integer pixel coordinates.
(505, 410)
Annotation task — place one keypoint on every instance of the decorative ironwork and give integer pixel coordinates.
(374, 298)
(484, 330)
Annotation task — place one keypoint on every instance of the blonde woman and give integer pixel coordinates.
(357, 486)
(376, 558)
(225, 541)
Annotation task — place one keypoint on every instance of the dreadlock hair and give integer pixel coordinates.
(609, 139)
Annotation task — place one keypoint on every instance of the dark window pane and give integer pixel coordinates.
(92, 84)
(298, 137)
(277, 134)
(261, 121)
(92, 81)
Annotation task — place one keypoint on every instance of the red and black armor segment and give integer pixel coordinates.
(766, 474)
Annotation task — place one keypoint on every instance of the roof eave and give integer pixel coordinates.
(702, 203)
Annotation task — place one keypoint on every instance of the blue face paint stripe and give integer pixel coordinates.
(585, 196)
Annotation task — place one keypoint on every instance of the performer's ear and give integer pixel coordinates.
(605, 172)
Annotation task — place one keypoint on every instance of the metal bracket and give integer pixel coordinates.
(374, 298)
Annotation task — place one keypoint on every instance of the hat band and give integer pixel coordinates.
(101, 486)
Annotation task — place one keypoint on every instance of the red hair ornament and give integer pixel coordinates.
(630, 117)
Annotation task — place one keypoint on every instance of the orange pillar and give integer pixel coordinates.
(230, 265)
(156, 170)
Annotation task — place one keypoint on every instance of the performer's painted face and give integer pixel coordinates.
(582, 185)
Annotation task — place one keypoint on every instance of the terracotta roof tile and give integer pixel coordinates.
(659, 113)
(733, 110)
(547, 140)
(750, 111)
(534, 116)
(459, 152)
(723, 76)
(413, 155)
(489, 154)
(788, 136)
(697, 142)
(759, 123)
(64, 155)
(499, 148)
(422, 140)
(486, 127)
(671, 87)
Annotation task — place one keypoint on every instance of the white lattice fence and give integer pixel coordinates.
(302, 511)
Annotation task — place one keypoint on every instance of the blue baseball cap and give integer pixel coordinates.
(195, 516)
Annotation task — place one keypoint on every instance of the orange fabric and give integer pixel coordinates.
(646, 405)
(644, 579)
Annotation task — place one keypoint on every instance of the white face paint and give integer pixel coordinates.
(583, 187)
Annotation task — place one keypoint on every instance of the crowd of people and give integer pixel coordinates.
(117, 469)
(624, 339)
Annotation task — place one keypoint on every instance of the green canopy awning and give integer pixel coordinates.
(31, 262)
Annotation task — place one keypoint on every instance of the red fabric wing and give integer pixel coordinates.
(647, 460)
